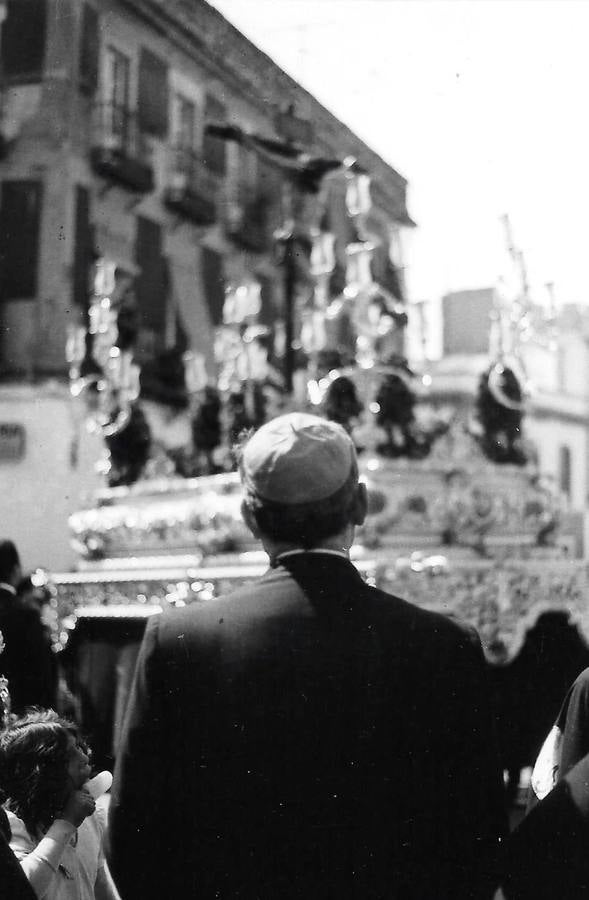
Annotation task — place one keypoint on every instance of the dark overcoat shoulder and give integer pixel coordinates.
(308, 735)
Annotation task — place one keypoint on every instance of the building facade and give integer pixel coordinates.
(105, 107)
(465, 320)
(106, 154)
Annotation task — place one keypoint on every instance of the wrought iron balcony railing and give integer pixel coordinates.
(119, 149)
(192, 189)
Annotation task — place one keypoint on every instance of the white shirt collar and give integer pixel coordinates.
(10, 588)
(317, 550)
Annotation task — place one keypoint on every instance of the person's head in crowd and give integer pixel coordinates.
(301, 490)
(33, 590)
(42, 760)
(10, 569)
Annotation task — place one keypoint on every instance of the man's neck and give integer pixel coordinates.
(339, 543)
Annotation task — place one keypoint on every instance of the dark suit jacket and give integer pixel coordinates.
(573, 721)
(28, 660)
(13, 882)
(308, 736)
(547, 855)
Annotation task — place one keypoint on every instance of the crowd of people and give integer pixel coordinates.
(307, 736)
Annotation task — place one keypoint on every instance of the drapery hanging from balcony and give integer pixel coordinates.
(187, 293)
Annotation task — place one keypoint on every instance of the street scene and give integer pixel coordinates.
(294, 442)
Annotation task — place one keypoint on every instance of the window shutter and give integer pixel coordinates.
(213, 149)
(214, 283)
(267, 314)
(152, 107)
(89, 45)
(20, 218)
(383, 271)
(151, 282)
(391, 280)
(269, 178)
(83, 248)
(22, 45)
(565, 470)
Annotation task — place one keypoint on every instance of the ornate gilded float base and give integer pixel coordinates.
(500, 599)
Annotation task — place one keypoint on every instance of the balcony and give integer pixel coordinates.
(192, 188)
(249, 220)
(119, 149)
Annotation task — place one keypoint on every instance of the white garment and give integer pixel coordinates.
(547, 766)
(80, 862)
(314, 551)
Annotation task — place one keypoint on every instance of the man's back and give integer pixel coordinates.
(27, 660)
(306, 736)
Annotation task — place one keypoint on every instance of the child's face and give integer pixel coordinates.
(78, 764)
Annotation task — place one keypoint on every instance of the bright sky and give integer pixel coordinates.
(481, 104)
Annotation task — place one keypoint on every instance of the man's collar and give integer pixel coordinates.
(9, 588)
(315, 552)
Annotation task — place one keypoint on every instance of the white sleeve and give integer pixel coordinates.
(21, 843)
(40, 862)
(547, 766)
(99, 818)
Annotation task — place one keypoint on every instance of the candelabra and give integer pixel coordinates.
(101, 368)
(352, 324)
(242, 358)
(239, 354)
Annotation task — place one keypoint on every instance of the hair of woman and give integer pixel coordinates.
(34, 756)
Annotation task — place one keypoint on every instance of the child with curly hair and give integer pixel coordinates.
(56, 832)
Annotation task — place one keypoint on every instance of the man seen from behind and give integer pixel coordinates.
(308, 735)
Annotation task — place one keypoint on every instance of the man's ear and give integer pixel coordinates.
(249, 519)
(360, 504)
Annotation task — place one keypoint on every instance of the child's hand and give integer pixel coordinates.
(78, 807)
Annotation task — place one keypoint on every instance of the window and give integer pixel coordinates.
(152, 103)
(22, 45)
(89, 43)
(117, 79)
(20, 219)
(214, 283)
(561, 368)
(248, 167)
(565, 470)
(83, 248)
(383, 271)
(183, 122)
(151, 284)
(214, 147)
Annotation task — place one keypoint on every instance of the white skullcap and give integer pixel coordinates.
(297, 458)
